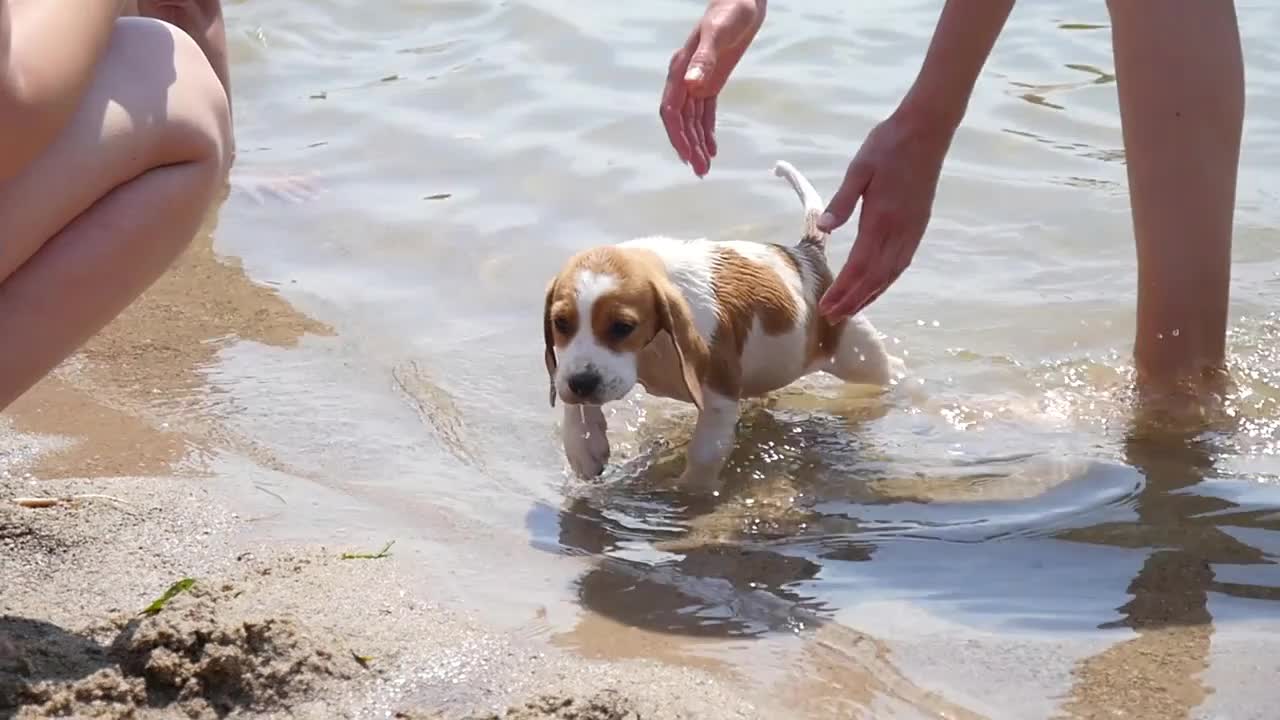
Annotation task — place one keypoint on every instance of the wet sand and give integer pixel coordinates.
(297, 628)
(266, 630)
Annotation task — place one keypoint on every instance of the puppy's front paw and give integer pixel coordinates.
(699, 481)
(588, 456)
(586, 441)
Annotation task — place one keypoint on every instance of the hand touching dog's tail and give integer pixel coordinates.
(809, 198)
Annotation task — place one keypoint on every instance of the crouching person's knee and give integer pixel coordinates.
(203, 128)
(192, 120)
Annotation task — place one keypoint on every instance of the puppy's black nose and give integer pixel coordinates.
(584, 384)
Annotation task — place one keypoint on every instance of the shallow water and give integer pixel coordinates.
(992, 523)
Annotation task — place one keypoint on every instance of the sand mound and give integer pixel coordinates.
(196, 655)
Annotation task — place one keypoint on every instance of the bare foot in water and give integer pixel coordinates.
(260, 186)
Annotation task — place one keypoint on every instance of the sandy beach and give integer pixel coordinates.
(349, 359)
(299, 630)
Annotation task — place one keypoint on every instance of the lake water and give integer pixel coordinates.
(990, 538)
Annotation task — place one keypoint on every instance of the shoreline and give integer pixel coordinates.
(308, 633)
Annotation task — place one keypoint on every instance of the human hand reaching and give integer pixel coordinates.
(697, 73)
(895, 176)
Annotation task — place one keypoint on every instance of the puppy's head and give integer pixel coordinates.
(601, 310)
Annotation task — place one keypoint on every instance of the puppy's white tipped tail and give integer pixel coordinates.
(809, 198)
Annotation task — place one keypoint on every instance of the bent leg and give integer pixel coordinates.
(103, 212)
(860, 356)
(1180, 74)
(202, 20)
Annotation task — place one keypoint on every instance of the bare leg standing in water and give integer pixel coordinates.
(1181, 80)
(1181, 85)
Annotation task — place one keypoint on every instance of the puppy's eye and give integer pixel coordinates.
(621, 329)
(562, 325)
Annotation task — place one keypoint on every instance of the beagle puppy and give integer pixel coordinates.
(700, 321)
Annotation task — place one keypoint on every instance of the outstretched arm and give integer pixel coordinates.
(965, 34)
(895, 173)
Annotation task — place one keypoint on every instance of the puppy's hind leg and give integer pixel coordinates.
(586, 439)
(860, 356)
(713, 440)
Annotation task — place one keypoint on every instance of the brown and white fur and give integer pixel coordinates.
(698, 321)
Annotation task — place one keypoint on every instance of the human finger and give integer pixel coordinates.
(868, 286)
(671, 108)
(692, 128)
(856, 179)
(698, 131)
(861, 297)
(850, 276)
(866, 254)
(876, 282)
(709, 124)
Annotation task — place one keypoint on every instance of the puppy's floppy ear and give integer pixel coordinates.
(673, 316)
(549, 338)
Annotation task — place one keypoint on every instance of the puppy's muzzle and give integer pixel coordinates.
(585, 384)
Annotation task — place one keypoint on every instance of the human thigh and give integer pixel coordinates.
(154, 101)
